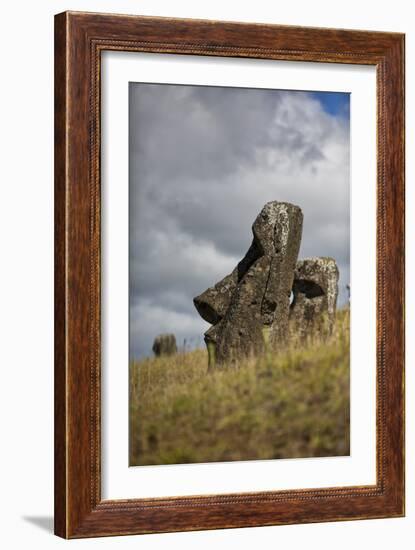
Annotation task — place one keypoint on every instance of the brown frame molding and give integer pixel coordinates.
(79, 40)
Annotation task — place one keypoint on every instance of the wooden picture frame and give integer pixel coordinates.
(79, 40)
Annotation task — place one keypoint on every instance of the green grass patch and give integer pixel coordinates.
(294, 403)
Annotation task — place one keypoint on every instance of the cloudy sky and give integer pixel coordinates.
(203, 162)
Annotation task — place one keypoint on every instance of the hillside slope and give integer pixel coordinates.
(290, 404)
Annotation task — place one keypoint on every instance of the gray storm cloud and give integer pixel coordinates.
(203, 162)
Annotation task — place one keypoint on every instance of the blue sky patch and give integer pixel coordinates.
(334, 103)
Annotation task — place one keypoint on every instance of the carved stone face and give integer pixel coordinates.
(257, 292)
(269, 294)
(315, 291)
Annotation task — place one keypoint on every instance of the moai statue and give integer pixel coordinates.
(164, 344)
(250, 307)
(315, 289)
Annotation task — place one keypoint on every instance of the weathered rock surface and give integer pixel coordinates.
(315, 290)
(256, 294)
(276, 301)
(250, 308)
(240, 333)
(164, 344)
(214, 302)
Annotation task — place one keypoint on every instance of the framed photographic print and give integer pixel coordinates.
(229, 275)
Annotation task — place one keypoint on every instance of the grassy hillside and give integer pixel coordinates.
(290, 404)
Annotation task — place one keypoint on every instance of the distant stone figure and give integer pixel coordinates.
(250, 307)
(315, 289)
(164, 344)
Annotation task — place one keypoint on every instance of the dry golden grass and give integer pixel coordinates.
(290, 404)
